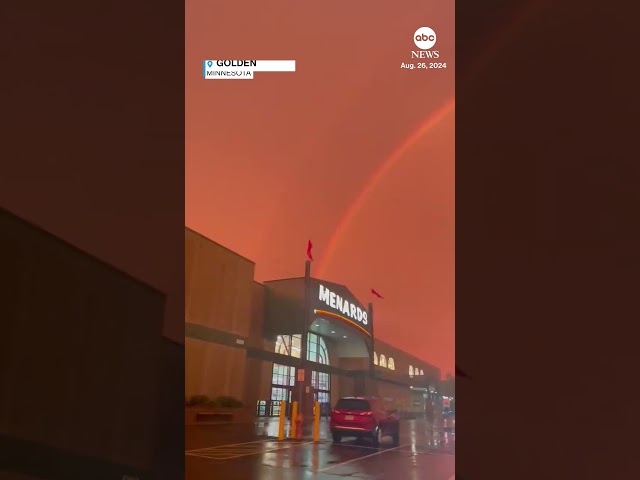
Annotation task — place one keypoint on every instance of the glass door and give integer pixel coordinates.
(282, 383)
(321, 383)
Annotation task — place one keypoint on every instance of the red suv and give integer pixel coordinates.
(364, 417)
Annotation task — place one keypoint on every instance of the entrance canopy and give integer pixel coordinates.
(335, 302)
(346, 341)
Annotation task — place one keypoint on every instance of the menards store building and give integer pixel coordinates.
(244, 339)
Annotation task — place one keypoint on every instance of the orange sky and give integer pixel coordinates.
(280, 159)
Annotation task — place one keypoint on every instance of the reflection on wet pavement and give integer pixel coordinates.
(424, 452)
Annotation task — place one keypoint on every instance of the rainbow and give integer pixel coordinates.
(529, 10)
(431, 121)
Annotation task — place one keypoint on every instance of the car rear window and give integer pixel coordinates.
(353, 404)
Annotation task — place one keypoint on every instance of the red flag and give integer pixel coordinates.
(376, 294)
(309, 247)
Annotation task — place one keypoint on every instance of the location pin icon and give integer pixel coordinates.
(209, 63)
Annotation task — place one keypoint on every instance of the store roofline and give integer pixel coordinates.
(418, 360)
(266, 283)
(220, 245)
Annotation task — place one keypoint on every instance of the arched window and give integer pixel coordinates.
(391, 364)
(410, 371)
(421, 372)
(375, 358)
(317, 349)
(318, 352)
(282, 345)
(283, 377)
(383, 361)
(288, 345)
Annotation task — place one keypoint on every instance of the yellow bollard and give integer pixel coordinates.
(283, 411)
(294, 416)
(316, 423)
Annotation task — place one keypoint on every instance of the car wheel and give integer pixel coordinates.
(337, 438)
(377, 436)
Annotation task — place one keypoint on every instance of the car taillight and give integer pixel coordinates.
(367, 414)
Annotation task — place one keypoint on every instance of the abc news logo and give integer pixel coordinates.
(425, 38)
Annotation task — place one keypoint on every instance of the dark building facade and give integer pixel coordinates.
(87, 379)
(245, 339)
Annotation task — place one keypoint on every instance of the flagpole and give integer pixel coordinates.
(373, 346)
(303, 338)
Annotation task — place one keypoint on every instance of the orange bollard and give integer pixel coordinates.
(316, 423)
(294, 416)
(283, 409)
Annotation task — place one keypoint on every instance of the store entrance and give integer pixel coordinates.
(350, 350)
(283, 378)
(321, 383)
(282, 388)
(277, 395)
(282, 383)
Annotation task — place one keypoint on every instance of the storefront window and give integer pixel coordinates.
(383, 361)
(323, 397)
(282, 347)
(317, 349)
(391, 364)
(320, 381)
(410, 371)
(296, 345)
(421, 372)
(375, 358)
(283, 375)
(289, 345)
(279, 394)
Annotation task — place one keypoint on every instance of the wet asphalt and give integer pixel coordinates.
(246, 452)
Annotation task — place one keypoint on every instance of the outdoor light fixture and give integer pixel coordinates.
(344, 336)
(332, 331)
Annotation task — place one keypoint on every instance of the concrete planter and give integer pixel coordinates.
(201, 415)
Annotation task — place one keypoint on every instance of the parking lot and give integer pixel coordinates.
(424, 452)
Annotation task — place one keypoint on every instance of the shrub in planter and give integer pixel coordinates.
(227, 402)
(218, 402)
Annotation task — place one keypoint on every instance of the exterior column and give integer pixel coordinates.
(303, 388)
(371, 384)
(372, 342)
